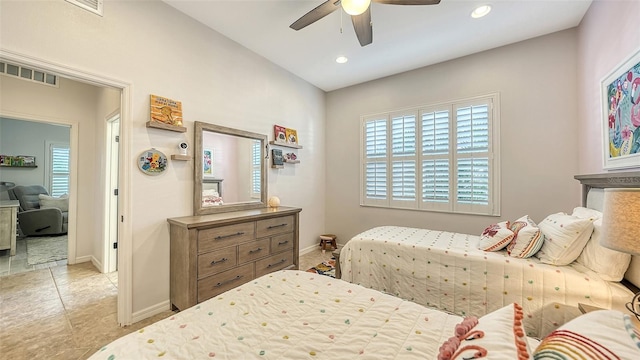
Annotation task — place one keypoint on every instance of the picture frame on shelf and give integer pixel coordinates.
(279, 133)
(292, 136)
(165, 111)
(621, 115)
(278, 158)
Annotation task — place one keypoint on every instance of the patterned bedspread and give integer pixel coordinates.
(446, 270)
(292, 315)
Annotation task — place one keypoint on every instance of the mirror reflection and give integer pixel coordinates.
(230, 170)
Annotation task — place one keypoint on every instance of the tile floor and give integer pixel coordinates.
(18, 263)
(69, 312)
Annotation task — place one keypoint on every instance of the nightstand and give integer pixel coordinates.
(584, 308)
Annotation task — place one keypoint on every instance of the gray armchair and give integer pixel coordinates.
(36, 221)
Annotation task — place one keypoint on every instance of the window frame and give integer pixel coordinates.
(453, 205)
(49, 146)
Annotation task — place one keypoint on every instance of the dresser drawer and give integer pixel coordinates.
(215, 238)
(217, 284)
(217, 261)
(253, 250)
(273, 263)
(281, 242)
(274, 226)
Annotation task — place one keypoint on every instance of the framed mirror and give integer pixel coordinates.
(230, 169)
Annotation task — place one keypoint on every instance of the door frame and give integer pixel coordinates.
(125, 246)
(110, 254)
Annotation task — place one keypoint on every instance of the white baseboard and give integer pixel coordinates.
(150, 311)
(308, 249)
(82, 259)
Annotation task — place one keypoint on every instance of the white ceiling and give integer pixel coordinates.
(404, 37)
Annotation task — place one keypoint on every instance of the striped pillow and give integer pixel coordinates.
(597, 335)
(528, 239)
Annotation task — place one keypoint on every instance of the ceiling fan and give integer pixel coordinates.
(360, 12)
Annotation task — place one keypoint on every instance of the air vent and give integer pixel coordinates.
(29, 74)
(95, 6)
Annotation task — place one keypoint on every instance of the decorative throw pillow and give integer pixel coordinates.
(496, 237)
(609, 264)
(597, 335)
(497, 335)
(564, 238)
(61, 202)
(528, 239)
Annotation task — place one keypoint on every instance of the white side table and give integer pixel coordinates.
(8, 218)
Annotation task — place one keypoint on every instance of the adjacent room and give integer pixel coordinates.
(319, 179)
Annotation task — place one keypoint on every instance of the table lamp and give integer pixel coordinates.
(621, 227)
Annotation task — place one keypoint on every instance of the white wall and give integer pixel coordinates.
(536, 80)
(608, 34)
(28, 138)
(162, 52)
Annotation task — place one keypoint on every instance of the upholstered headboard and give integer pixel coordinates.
(592, 195)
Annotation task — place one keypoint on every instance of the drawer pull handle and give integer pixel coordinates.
(230, 235)
(283, 242)
(276, 264)
(255, 250)
(228, 281)
(219, 261)
(277, 226)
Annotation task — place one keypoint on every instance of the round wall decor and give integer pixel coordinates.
(152, 162)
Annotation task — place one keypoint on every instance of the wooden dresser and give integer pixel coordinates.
(211, 254)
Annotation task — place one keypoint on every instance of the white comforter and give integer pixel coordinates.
(292, 315)
(447, 271)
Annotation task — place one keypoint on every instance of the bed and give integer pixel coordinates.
(447, 271)
(291, 314)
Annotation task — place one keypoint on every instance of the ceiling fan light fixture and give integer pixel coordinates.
(341, 59)
(481, 11)
(355, 7)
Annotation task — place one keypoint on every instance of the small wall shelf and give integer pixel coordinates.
(292, 161)
(283, 144)
(159, 125)
(277, 166)
(180, 157)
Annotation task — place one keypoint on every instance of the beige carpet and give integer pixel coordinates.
(45, 249)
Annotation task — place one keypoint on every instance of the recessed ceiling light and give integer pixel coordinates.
(481, 11)
(341, 59)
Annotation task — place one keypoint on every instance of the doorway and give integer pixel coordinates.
(124, 228)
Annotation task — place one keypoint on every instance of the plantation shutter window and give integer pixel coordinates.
(473, 160)
(59, 174)
(403, 160)
(375, 163)
(435, 158)
(442, 157)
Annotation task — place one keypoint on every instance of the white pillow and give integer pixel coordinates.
(61, 202)
(496, 237)
(528, 239)
(609, 264)
(597, 335)
(497, 335)
(586, 213)
(564, 238)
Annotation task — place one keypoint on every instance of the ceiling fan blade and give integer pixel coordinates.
(362, 26)
(316, 14)
(408, 2)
